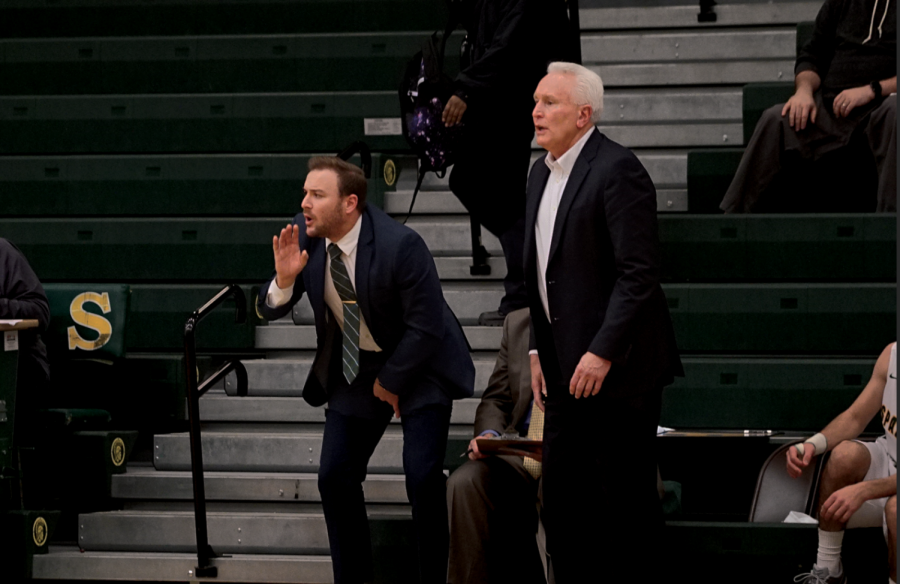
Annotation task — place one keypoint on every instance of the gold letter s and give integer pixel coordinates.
(95, 322)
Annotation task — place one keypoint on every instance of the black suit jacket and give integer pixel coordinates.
(400, 298)
(602, 274)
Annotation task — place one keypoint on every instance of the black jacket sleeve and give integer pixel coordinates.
(21, 293)
(817, 53)
(503, 53)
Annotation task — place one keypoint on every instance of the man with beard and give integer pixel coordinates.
(388, 344)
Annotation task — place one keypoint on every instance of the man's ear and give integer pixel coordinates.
(351, 203)
(585, 112)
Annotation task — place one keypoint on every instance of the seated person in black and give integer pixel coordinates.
(22, 297)
(844, 77)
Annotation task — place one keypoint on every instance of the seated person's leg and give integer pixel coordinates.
(890, 521)
(491, 505)
(760, 163)
(848, 465)
(882, 136)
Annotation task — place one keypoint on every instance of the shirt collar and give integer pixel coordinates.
(566, 162)
(348, 243)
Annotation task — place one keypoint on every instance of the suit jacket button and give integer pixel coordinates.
(555, 319)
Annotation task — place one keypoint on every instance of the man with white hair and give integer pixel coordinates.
(603, 346)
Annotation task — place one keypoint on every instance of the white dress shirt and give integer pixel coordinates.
(560, 169)
(279, 296)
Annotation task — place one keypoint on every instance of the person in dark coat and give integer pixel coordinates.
(22, 297)
(512, 41)
(603, 341)
(387, 344)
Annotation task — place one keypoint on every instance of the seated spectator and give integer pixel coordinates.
(844, 78)
(858, 480)
(492, 500)
(22, 297)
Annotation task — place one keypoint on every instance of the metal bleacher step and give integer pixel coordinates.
(691, 57)
(220, 407)
(229, 533)
(272, 448)
(667, 169)
(466, 299)
(71, 563)
(285, 336)
(146, 483)
(284, 377)
(727, 14)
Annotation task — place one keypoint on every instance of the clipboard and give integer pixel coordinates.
(522, 447)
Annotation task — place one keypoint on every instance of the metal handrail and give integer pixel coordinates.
(194, 391)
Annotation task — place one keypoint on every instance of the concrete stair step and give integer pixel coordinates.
(275, 448)
(734, 72)
(229, 533)
(602, 48)
(667, 168)
(743, 14)
(71, 563)
(285, 377)
(467, 299)
(446, 203)
(147, 483)
(285, 336)
(220, 407)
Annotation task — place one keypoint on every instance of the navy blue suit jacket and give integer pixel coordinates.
(400, 298)
(602, 273)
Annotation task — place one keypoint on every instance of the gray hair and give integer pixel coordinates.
(588, 88)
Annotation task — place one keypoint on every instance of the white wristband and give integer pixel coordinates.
(819, 443)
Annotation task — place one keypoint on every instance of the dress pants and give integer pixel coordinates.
(489, 178)
(493, 521)
(348, 443)
(601, 508)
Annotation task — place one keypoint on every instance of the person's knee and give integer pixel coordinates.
(848, 463)
(890, 515)
(772, 115)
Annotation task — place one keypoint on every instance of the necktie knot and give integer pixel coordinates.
(334, 251)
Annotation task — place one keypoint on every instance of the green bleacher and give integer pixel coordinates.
(157, 147)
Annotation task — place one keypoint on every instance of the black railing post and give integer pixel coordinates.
(204, 550)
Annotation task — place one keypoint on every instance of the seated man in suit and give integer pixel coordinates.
(492, 499)
(859, 483)
(388, 344)
(844, 78)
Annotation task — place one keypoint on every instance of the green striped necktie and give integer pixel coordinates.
(344, 287)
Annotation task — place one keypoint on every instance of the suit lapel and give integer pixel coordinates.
(315, 277)
(533, 201)
(364, 250)
(579, 173)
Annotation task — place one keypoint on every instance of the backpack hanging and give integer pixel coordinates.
(424, 92)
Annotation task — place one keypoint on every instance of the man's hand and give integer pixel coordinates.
(475, 453)
(843, 503)
(289, 260)
(796, 463)
(386, 396)
(849, 99)
(538, 383)
(800, 107)
(453, 111)
(589, 375)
